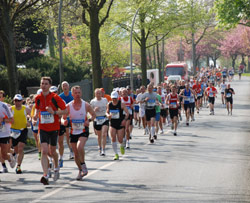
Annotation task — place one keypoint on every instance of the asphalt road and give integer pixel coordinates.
(209, 161)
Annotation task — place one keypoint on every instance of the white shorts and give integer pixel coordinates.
(141, 112)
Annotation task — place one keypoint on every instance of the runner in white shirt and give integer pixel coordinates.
(223, 86)
(101, 123)
(77, 111)
(6, 118)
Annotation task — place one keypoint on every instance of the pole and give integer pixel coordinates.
(60, 42)
(162, 60)
(131, 51)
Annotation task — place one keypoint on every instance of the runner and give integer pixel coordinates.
(211, 92)
(117, 122)
(6, 118)
(142, 109)
(136, 109)
(229, 98)
(47, 104)
(101, 123)
(173, 102)
(150, 98)
(77, 111)
(161, 113)
(128, 101)
(66, 95)
(223, 86)
(19, 131)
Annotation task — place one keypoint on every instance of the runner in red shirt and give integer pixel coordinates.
(47, 106)
(197, 90)
(211, 93)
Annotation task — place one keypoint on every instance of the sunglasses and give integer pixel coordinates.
(17, 100)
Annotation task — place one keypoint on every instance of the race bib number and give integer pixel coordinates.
(151, 102)
(15, 133)
(2, 127)
(199, 95)
(192, 99)
(173, 105)
(46, 117)
(228, 95)
(78, 124)
(129, 110)
(115, 114)
(100, 120)
(187, 99)
(211, 94)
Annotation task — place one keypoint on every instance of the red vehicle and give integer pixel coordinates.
(180, 68)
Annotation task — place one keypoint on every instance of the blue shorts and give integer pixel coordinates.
(157, 116)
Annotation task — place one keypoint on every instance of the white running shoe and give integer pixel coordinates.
(162, 132)
(79, 176)
(127, 145)
(56, 175)
(84, 170)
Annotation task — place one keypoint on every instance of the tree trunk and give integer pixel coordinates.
(248, 64)
(154, 57)
(193, 54)
(143, 57)
(61, 72)
(234, 57)
(96, 50)
(7, 37)
(149, 59)
(51, 42)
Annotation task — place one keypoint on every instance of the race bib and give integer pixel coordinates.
(211, 94)
(129, 110)
(192, 99)
(228, 95)
(151, 102)
(46, 117)
(78, 124)
(199, 95)
(15, 133)
(187, 99)
(100, 120)
(115, 114)
(2, 127)
(173, 105)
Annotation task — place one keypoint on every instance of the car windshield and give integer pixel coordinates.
(174, 71)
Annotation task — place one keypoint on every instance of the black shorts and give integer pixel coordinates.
(163, 113)
(116, 124)
(75, 138)
(186, 106)
(49, 137)
(62, 130)
(224, 76)
(199, 97)
(22, 138)
(192, 106)
(150, 113)
(230, 100)
(173, 113)
(131, 118)
(211, 100)
(5, 140)
(99, 127)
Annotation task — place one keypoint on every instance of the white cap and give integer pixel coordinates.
(39, 91)
(114, 95)
(18, 97)
(53, 89)
(117, 89)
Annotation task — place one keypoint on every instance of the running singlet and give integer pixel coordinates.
(68, 98)
(5, 113)
(187, 95)
(210, 91)
(128, 103)
(173, 101)
(228, 94)
(223, 87)
(77, 118)
(102, 107)
(19, 118)
(117, 113)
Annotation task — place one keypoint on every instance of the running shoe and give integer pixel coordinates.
(187, 124)
(18, 170)
(12, 161)
(127, 145)
(100, 151)
(162, 132)
(56, 175)
(79, 176)
(49, 173)
(44, 180)
(175, 134)
(122, 149)
(71, 155)
(151, 140)
(84, 170)
(155, 137)
(60, 163)
(103, 153)
(116, 157)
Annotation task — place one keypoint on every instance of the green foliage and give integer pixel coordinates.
(232, 12)
(8, 100)
(31, 142)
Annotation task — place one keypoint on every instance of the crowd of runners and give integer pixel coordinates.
(53, 116)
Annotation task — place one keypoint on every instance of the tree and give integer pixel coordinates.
(232, 12)
(93, 8)
(9, 13)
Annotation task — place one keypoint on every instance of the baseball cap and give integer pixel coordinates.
(53, 89)
(102, 89)
(114, 95)
(18, 97)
